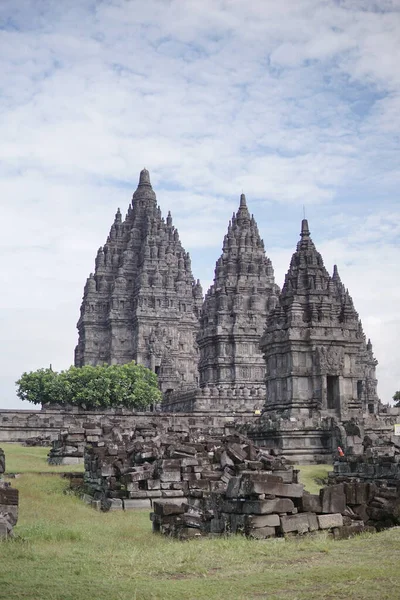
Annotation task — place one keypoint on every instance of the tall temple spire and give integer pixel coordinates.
(315, 325)
(143, 300)
(235, 308)
(305, 232)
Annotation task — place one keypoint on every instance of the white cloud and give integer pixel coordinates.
(293, 102)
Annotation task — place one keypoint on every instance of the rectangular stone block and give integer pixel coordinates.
(116, 504)
(172, 494)
(262, 507)
(333, 499)
(71, 460)
(256, 521)
(130, 504)
(311, 503)
(170, 464)
(286, 475)
(161, 507)
(328, 521)
(137, 476)
(356, 492)
(237, 523)
(287, 490)
(153, 484)
(135, 495)
(262, 533)
(9, 496)
(189, 462)
(348, 531)
(170, 476)
(232, 506)
(199, 484)
(295, 523)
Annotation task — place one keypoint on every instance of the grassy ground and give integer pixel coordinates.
(64, 550)
(314, 476)
(26, 459)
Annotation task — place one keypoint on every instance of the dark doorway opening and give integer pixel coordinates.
(157, 370)
(359, 389)
(332, 391)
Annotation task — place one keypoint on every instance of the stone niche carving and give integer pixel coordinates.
(330, 359)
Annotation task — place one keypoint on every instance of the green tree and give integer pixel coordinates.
(104, 386)
(39, 387)
(396, 398)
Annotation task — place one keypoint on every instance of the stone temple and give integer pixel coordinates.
(299, 354)
(142, 302)
(314, 346)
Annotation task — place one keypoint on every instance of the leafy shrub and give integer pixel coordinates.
(103, 386)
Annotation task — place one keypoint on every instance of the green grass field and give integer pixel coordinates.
(26, 459)
(63, 550)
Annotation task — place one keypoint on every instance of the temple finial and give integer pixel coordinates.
(144, 178)
(243, 201)
(305, 232)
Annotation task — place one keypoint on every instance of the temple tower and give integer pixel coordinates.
(317, 359)
(234, 311)
(142, 302)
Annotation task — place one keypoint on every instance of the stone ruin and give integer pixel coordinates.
(373, 478)
(8, 503)
(85, 428)
(129, 468)
(300, 354)
(200, 483)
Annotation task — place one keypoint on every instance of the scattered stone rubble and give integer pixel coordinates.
(259, 505)
(8, 503)
(68, 448)
(200, 484)
(372, 481)
(129, 468)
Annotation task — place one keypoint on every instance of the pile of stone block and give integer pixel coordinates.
(259, 505)
(377, 463)
(8, 503)
(69, 447)
(131, 468)
(372, 482)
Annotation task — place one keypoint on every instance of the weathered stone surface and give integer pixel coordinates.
(329, 521)
(130, 504)
(144, 297)
(333, 499)
(295, 523)
(262, 533)
(255, 521)
(263, 507)
(233, 315)
(348, 531)
(311, 503)
(168, 508)
(288, 490)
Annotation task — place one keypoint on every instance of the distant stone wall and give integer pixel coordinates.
(214, 398)
(21, 425)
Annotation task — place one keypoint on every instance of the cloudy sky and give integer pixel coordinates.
(296, 103)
